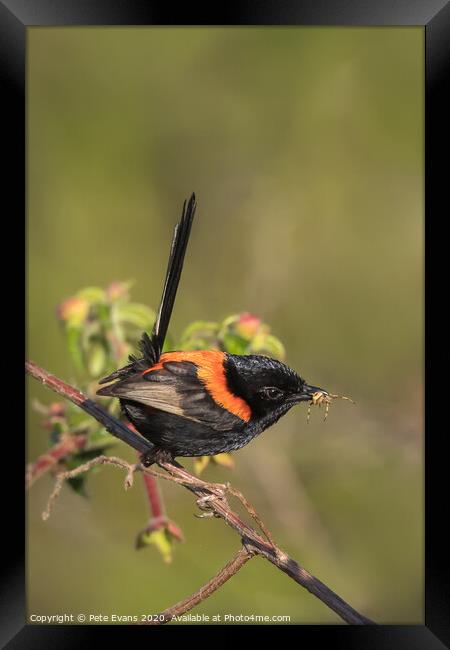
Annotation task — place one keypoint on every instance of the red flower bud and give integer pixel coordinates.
(73, 310)
(248, 325)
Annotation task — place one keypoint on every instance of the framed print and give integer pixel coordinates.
(226, 315)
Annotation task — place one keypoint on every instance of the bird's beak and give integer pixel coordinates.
(307, 393)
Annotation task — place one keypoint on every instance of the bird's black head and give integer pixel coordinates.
(268, 386)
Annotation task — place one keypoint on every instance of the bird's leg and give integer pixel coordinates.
(164, 456)
(218, 490)
(148, 459)
(157, 456)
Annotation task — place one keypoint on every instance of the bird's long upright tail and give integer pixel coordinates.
(151, 346)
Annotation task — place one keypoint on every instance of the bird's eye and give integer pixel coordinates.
(271, 392)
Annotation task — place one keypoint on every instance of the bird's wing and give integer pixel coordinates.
(175, 388)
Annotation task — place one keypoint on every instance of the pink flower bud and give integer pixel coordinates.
(73, 310)
(117, 290)
(248, 325)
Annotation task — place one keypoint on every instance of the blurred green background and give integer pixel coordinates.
(305, 149)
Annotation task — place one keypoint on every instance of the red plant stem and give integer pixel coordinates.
(154, 496)
(56, 453)
(151, 489)
(158, 514)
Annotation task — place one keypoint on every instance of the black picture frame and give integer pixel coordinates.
(16, 16)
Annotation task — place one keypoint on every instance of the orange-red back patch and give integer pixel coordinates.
(211, 371)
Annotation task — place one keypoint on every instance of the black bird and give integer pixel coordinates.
(203, 402)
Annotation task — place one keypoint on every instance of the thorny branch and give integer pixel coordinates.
(211, 497)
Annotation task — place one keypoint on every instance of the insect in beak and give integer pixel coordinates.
(319, 396)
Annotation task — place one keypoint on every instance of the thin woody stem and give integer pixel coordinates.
(228, 571)
(251, 510)
(98, 460)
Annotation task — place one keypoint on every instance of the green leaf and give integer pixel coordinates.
(234, 344)
(73, 335)
(200, 462)
(114, 408)
(101, 439)
(78, 485)
(161, 539)
(199, 326)
(230, 320)
(77, 419)
(85, 456)
(57, 429)
(224, 459)
(200, 335)
(103, 314)
(135, 314)
(268, 344)
(96, 359)
(198, 344)
(92, 294)
(91, 330)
